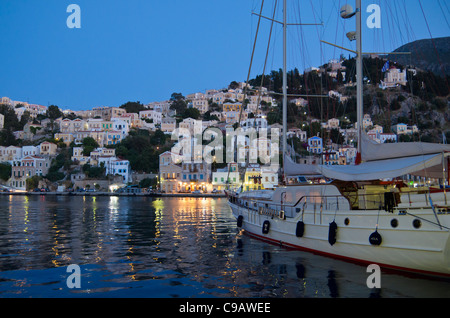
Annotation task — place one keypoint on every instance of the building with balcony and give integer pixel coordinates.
(315, 145)
(169, 173)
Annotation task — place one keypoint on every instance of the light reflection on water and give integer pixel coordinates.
(165, 247)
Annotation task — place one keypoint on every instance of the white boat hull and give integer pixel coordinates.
(417, 243)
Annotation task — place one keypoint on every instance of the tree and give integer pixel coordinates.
(5, 171)
(208, 116)
(233, 85)
(158, 138)
(7, 138)
(33, 182)
(176, 96)
(191, 113)
(147, 182)
(178, 103)
(54, 176)
(139, 148)
(93, 172)
(53, 112)
(26, 116)
(336, 136)
(274, 117)
(89, 144)
(11, 121)
(133, 107)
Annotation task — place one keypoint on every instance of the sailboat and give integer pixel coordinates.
(361, 212)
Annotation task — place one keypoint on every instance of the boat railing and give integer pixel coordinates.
(388, 201)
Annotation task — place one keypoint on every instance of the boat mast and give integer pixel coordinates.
(359, 78)
(284, 83)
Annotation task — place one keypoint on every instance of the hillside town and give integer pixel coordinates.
(80, 150)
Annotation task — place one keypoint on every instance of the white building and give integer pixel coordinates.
(256, 123)
(162, 107)
(121, 125)
(269, 178)
(403, 129)
(168, 125)
(151, 114)
(332, 123)
(393, 78)
(30, 151)
(391, 137)
(219, 178)
(297, 132)
(116, 166)
(400, 129)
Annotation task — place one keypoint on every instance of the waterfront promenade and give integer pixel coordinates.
(100, 193)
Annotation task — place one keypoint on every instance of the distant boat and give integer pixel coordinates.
(359, 212)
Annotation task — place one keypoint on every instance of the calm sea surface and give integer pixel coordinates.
(166, 248)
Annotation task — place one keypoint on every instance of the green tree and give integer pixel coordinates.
(94, 172)
(178, 103)
(139, 148)
(53, 112)
(11, 121)
(26, 116)
(147, 182)
(191, 113)
(89, 144)
(7, 138)
(158, 138)
(233, 85)
(133, 107)
(274, 117)
(5, 171)
(33, 182)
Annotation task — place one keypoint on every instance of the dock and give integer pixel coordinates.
(114, 194)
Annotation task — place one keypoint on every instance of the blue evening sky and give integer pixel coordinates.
(144, 50)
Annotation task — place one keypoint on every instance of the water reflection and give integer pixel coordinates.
(165, 247)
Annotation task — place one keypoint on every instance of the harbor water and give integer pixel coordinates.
(144, 247)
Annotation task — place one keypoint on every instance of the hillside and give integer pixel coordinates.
(428, 55)
(424, 102)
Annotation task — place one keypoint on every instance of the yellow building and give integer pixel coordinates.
(48, 148)
(253, 178)
(235, 107)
